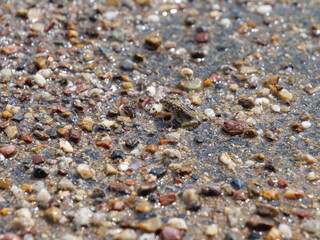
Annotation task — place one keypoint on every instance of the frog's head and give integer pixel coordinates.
(166, 102)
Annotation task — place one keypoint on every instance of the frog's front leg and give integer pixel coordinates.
(192, 124)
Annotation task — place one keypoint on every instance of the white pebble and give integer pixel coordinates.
(65, 146)
(23, 218)
(153, 19)
(40, 80)
(152, 90)
(212, 230)
(107, 123)
(276, 108)
(234, 215)
(85, 171)
(186, 72)
(173, 137)
(98, 217)
(46, 73)
(285, 230)
(251, 122)
(262, 101)
(180, 51)
(43, 196)
(124, 166)
(70, 237)
(311, 176)
(264, 9)
(249, 162)
(225, 22)
(5, 75)
(306, 124)
(148, 236)
(225, 158)
(82, 217)
(209, 112)
(17, 192)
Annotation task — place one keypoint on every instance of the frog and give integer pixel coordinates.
(181, 113)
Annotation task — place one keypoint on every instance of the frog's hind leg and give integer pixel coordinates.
(190, 125)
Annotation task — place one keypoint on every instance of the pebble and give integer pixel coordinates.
(65, 146)
(173, 137)
(273, 234)
(167, 199)
(186, 72)
(11, 236)
(209, 112)
(110, 169)
(43, 196)
(246, 103)
(8, 150)
(311, 226)
(190, 196)
(258, 224)
(178, 223)
(226, 22)
(17, 117)
(40, 80)
(75, 134)
(120, 187)
(146, 189)
(117, 154)
(306, 124)
(234, 215)
(237, 184)
(211, 189)
(225, 158)
(11, 131)
(82, 217)
(233, 127)
(312, 176)
(10, 49)
(23, 218)
(87, 124)
(125, 234)
(266, 210)
(271, 195)
(144, 207)
(293, 194)
(127, 65)
(153, 40)
(46, 72)
(171, 233)
(195, 98)
(241, 195)
(148, 236)
(159, 172)
(151, 225)
(276, 108)
(40, 172)
(285, 230)
(53, 214)
(85, 171)
(212, 230)
(264, 9)
(4, 183)
(65, 184)
(37, 159)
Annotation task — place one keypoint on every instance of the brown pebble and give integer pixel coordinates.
(266, 210)
(153, 40)
(274, 80)
(282, 183)
(27, 138)
(106, 143)
(75, 134)
(146, 189)
(234, 127)
(293, 194)
(151, 148)
(115, 204)
(40, 63)
(171, 233)
(250, 133)
(40, 135)
(4, 125)
(63, 132)
(298, 127)
(241, 195)
(258, 224)
(37, 159)
(303, 214)
(4, 183)
(8, 150)
(120, 187)
(211, 189)
(247, 103)
(167, 199)
(271, 195)
(202, 37)
(7, 50)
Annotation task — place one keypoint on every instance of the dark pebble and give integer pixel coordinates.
(258, 224)
(234, 127)
(250, 133)
(131, 143)
(254, 236)
(39, 172)
(75, 134)
(199, 139)
(100, 128)
(146, 189)
(266, 210)
(40, 135)
(230, 236)
(98, 193)
(37, 159)
(194, 176)
(159, 172)
(117, 154)
(189, 21)
(197, 54)
(237, 184)
(211, 189)
(127, 65)
(246, 103)
(52, 133)
(18, 117)
(241, 195)
(195, 206)
(202, 37)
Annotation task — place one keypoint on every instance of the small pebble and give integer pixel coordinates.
(151, 225)
(43, 196)
(212, 230)
(85, 171)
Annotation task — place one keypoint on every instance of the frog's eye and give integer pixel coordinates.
(153, 108)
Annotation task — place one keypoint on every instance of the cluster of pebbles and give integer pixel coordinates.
(87, 150)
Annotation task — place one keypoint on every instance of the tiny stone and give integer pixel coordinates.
(293, 194)
(120, 187)
(110, 170)
(159, 172)
(153, 40)
(85, 171)
(167, 199)
(285, 230)
(40, 80)
(53, 214)
(212, 230)
(39, 172)
(209, 112)
(276, 108)
(211, 189)
(11, 131)
(190, 196)
(82, 217)
(127, 65)
(37, 159)
(146, 189)
(43, 196)
(178, 223)
(233, 127)
(144, 207)
(171, 233)
(151, 225)
(65, 146)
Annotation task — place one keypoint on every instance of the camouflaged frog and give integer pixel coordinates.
(182, 114)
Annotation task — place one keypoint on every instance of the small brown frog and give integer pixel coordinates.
(181, 113)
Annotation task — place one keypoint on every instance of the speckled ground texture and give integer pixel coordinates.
(88, 151)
